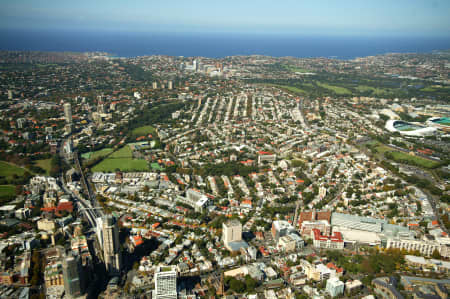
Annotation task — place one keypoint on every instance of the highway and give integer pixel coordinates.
(82, 205)
(85, 206)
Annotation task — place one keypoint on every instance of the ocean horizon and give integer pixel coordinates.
(217, 45)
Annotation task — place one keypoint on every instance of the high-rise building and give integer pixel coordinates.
(155, 85)
(68, 128)
(232, 235)
(71, 276)
(111, 248)
(99, 230)
(68, 146)
(170, 85)
(232, 231)
(68, 113)
(10, 94)
(21, 122)
(166, 283)
(68, 149)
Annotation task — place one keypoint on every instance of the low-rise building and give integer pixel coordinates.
(352, 286)
(386, 286)
(290, 242)
(281, 228)
(46, 224)
(308, 226)
(330, 242)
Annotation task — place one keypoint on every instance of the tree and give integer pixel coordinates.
(212, 291)
(366, 266)
(146, 189)
(384, 117)
(436, 255)
(237, 285)
(19, 189)
(250, 283)
(135, 266)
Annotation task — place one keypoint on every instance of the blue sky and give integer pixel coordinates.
(327, 17)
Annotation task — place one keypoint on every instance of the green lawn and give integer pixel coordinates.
(428, 89)
(336, 89)
(290, 88)
(45, 164)
(145, 130)
(124, 164)
(307, 84)
(375, 90)
(156, 166)
(399, 156)
(124, 152)
(121, 159)
(8, 170)
(100, 153)
(7, 191)
(383, 148)
(433, 88)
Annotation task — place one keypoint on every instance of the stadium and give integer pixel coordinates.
(409, 129)
(442, 123)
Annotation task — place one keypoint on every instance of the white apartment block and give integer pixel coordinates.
(195, 199)
(166, 283)
(424, 247)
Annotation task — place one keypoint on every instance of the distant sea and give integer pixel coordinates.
(124, 44)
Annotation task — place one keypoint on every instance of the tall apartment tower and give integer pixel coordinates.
(68, 113)
(111, 248)
(166, 283)
(71, 276)
(232, 231)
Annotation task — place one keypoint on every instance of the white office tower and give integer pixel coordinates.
(111, 248)
(170, 85)
(68, 113)
(166, 283)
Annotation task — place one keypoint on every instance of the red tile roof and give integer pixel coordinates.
(336, 237)
(333, 266)
(138, 240)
